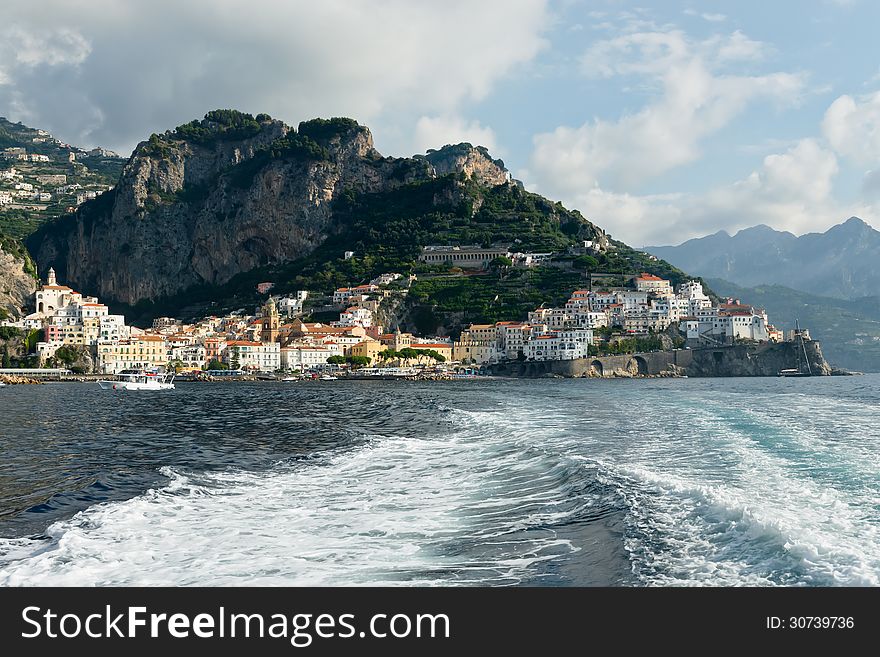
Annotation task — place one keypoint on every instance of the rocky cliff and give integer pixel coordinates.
(221, 196)
(736, 360)
(17, 280)
(763, 360)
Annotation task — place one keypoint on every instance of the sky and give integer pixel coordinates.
(659, 121)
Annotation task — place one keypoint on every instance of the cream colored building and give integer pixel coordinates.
(369, 348)
(141, 351)
(475, 351)
(396, 341)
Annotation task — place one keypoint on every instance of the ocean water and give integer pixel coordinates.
(661, 482)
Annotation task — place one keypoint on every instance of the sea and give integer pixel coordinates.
(484, 482)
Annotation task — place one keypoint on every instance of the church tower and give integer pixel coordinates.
(271, 322)
(51, 279)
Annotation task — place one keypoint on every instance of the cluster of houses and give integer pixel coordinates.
(22, 186)
(275, 338)
(649, 306)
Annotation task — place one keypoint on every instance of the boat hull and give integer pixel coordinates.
(130, 385)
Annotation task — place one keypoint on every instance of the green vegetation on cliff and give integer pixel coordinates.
(221, 124)
(387, 230)
(301, 199)
(17, 250)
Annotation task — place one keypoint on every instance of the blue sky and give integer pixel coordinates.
(659, 121)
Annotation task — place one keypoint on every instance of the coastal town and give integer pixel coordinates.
(30, 181)
(642, 312)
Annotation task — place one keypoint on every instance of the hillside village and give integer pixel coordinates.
(42, 177)
(644, 314)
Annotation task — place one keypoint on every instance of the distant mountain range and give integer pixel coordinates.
(842, 262)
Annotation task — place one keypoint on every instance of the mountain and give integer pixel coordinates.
(19, 278)
(202, 213)
(842, 262)
(849, 329)
(43, 164)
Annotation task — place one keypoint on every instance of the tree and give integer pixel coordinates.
(216, 365)
(357, 361)
(6, 361)
(432, 353)
(67, 354)
(585, 263)
(337, 360)
(408, 353)
(501, 262)
(234, 361)
(176, 365)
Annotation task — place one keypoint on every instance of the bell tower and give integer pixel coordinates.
(51, 278)
(271, 322)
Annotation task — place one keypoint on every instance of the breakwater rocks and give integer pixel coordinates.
(735, 360)
(13, 379)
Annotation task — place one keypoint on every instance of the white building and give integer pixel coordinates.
(559, 345)
(355, 316)
(467, 257)
(192, 356)
(253, 356)
(385, 279)
(653, 285)
(306, 357)
(293, 304)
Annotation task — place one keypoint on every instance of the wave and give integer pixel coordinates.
(468, 508)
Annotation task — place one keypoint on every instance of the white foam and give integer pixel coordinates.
(395, 510)
(764, 517)
(717, 488)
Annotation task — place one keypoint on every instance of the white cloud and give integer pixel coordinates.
(712, 18)
(694, 101)
(852, 127)
(789, 191)
(23, 50)
(871, 183)
(437, 131)
(127, 69)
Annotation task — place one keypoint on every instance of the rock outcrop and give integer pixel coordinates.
(764, 360)
(735, 360)
(475, 163)
(17, 281)
(227, 194)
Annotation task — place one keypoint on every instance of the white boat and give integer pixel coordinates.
(328, 377)
(139, 380)
(2, 384)
(290, 378)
